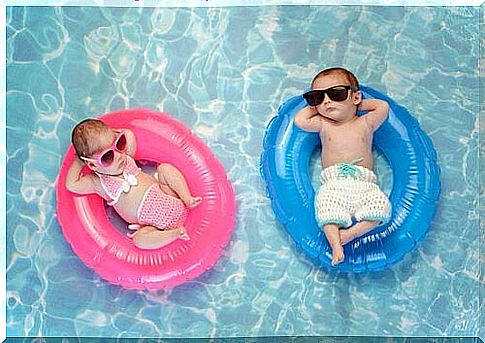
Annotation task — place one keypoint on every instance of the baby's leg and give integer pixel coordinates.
(150, 237)
(333, 236)
(357, 230)
(173, 178)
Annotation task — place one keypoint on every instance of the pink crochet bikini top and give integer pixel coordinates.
(114, 186)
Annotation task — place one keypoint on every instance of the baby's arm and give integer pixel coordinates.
(80, 184)
(378, 111)
(131, 142)
(309, 119)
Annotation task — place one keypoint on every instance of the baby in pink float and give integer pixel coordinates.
(349, 189)
(155, 206)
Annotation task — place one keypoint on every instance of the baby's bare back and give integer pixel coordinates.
(344, 143)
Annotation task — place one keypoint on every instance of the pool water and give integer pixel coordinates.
(223, 72)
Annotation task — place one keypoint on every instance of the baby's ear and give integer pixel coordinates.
(357, 97)
(91, 165)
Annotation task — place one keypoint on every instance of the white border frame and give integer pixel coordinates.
(140, 3)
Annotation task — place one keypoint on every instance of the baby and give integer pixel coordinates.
(156, 205)
(349, 189)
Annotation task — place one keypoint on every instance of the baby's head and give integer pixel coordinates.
(335, 94)
(344, 73)
(98, 146)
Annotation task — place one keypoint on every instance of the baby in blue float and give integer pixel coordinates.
(349, 186)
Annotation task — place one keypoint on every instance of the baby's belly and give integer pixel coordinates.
(127, 205)
(330, 158)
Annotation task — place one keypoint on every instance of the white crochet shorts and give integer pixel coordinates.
(349, 191)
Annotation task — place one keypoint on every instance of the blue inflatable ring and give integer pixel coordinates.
(284, 167)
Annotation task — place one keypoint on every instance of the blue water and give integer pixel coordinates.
(224, 72)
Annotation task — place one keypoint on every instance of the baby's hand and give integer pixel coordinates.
(183, 234)
(192, 202)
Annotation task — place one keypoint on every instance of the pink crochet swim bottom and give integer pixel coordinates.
(160, 209)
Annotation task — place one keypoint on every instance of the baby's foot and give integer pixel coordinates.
(134, 227)
(337, 255)
(192, 202)
(137, 228)
(346, 235)
(183, 234)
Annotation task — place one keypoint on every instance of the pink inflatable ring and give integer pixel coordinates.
(111, 254)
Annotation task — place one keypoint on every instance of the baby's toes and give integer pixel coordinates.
(184, 235)
(337, 256)
(195, 201)
(134, 227)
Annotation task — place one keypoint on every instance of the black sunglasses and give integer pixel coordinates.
(335, 93)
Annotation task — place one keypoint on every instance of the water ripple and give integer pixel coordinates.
(223, 72)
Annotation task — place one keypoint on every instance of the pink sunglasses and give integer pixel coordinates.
(106, 157)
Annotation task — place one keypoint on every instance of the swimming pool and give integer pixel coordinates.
(224, 72)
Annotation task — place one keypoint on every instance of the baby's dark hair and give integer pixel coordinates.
(338, 70)
(83, 136)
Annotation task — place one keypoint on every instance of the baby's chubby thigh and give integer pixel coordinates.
(159, 178)
(169, 191)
